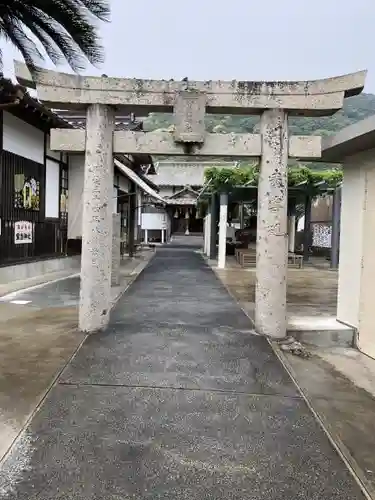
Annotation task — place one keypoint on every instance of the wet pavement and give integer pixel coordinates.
(38, 335)
(311, 291)
(62, 293)
(346, 409)
(178, 399)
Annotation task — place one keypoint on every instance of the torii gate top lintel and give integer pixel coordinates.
(309, 98)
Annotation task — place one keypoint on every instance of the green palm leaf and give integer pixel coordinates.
(67, 30)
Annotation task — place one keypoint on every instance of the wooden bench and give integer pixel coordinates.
(240, 251)
(247, 258)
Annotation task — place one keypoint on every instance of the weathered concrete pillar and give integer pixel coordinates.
(291, 233)
(95, 292)
(116, 252)
(205, 235)
(139, 214)
(223, 217)
(131, 221)
(208, 229)
(146, 236)
(213, 229)
(306, 230)
(271, 258)
(162, 236)
(335, 237)
(292, 226)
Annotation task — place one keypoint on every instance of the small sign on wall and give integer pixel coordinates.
(23, 232)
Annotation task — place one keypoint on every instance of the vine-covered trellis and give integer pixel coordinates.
(241, 183)
(311, 181)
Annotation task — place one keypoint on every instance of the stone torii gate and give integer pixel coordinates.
(189, 101)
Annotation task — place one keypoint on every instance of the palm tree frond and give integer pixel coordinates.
(65, 28)
(12, 31)
(99, 8)
(55, 40)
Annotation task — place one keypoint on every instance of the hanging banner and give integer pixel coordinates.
(23, 232)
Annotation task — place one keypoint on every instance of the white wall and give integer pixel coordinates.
(165, 191)
(52, 205)
(49, 152)
(357, 249)
(351, 236)
(22, 139)
(75, 206)
(76, 174)
(366, 339)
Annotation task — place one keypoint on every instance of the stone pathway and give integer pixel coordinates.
(177, 400)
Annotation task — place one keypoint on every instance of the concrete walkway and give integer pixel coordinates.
(177, 400)
(38, 336)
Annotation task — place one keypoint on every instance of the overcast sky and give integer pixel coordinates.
(237, 39)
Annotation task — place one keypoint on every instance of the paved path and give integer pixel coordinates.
(61, 293)
(177, 400)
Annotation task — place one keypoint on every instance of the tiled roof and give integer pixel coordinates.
(14, 97)
(78, 119)
(183, 173)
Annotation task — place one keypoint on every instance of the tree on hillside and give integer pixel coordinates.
(65, 28)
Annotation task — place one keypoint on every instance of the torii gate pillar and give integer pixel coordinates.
(189, 101)
(96, 261)
(272, 231)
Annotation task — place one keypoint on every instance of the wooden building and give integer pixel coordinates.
(33, 180)
(41, 190)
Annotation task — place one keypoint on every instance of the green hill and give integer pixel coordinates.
(355, 109)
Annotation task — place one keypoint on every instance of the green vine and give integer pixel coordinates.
(313, 181)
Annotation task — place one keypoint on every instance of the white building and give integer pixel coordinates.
(179, 183)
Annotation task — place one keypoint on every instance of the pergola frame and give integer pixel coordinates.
(302, 193)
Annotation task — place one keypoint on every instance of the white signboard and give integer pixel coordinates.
(23, 232)
(154, 221)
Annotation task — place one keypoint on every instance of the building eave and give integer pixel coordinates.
(349, 141)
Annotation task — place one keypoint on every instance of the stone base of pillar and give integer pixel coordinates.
(116, 250)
